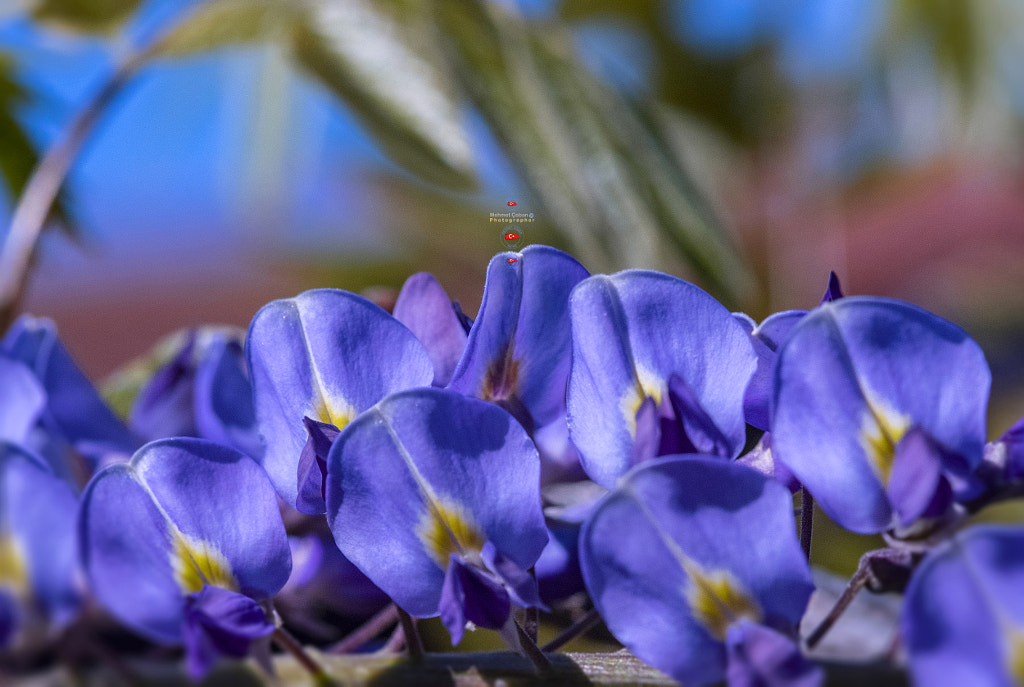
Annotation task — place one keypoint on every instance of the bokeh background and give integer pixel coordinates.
(269, 146)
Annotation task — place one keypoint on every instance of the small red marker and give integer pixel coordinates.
(511, 237)
(511, 259)
(511, 203)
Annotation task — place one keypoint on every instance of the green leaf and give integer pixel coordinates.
(224, 23)
(600, 164)
(85, 15)
(18, 157)
(380, 59)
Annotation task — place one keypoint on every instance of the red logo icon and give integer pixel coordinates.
(511, 236)
(511, 259)
(511, 203)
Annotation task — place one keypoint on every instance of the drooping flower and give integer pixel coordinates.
(658, 367)
(38, 556)
(74, 415)
(435, 496)
(694, 565)
(963, 613)
(517, 354)
(876, 402)
(202, 391)
(316, 361)
(180, 544)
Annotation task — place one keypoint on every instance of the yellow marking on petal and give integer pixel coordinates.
(717, 600)
(1015, 656)
(198, 563)
(448, 528)
(337, 414)
(646, 384)
(881, 430)
(13, 573)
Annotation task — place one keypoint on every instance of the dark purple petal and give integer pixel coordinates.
(164, 406)
(8, 617)
(518, 350)
(473, 595)
(422, 467)
(312, 471)
(683, 548)
(220, 623)
(761, 657)
(916, 476)
(424, 307)
(631, 332)
(963, 613)
(520, 584)
(833, 292)
(328, 355)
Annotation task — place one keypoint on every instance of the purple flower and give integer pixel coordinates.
(877, 403)
(767, 338)
(325, 356)
(517, 354)
(184, 516)
(963, 614)
(424, 308)
(687, 558)
(74, 415)
(435, 496)
(38, 557)
(658, 367)
(202, 391)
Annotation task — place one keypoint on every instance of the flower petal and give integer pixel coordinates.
(631, 332)
(427, 473)
(424, 307)
(685, 547)
(328, 355)
(518, 349)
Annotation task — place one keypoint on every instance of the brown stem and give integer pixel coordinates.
(395, 642)
(857, 582)
(384, 619)
(42, 188)
(532, 651)
(413, 642)
(806, 521)
(284, 640)
(581, 626)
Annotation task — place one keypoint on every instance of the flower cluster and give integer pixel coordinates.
(623, 435)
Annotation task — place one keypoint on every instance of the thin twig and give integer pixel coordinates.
(42, 188)
(532, 651)
(384, 619)
(806, 520)
(284, 640)
(413, 642)
(581, 626)
(395, 642)
(857, 582)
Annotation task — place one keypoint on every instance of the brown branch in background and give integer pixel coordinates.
(42, 188)
(385, 618)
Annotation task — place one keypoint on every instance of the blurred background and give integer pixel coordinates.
(262, 147)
